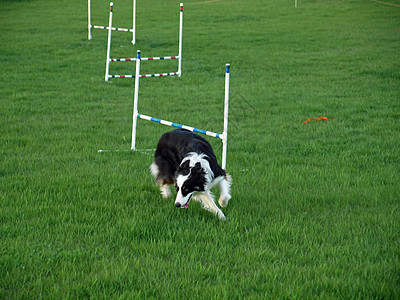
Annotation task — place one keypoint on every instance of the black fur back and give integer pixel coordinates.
(172, 148)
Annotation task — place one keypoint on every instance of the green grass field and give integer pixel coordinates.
(315, 208)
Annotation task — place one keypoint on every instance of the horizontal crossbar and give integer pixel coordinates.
(144, 75)
(145, 58)
(168, 123)
(112, 28)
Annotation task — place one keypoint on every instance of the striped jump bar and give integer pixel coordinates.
(144, 75)
(172, 124)
(145, 58)
(113, 28)
(109, 59)
(90, 26)
(223, 136)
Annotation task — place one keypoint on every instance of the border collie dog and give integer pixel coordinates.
(187, 160)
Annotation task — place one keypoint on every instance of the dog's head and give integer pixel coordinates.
(189, 180)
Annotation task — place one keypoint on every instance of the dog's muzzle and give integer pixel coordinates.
(186, 205)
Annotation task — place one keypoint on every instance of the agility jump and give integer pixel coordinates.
(178, 57)
(223, 136)
(133, 30)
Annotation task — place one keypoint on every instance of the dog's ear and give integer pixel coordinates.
(185, 165)
(198, 177)
(197, 168)
(184, 168)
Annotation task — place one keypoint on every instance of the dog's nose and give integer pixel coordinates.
(177, 204)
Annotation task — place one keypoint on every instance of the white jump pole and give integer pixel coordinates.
(180, 41)
(134, 23)
(226, 111)
(295, 3)
(89, 25)
(135, 101)
(109, 41)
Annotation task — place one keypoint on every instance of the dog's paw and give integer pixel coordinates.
(223, 200)
(221, 215)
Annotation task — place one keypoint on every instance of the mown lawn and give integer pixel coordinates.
(315, 207)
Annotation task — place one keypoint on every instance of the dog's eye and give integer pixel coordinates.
(177, 188)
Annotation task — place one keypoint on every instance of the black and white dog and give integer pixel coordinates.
(187, 160)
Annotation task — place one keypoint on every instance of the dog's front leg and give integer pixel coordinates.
(209, 204)
(165, 190)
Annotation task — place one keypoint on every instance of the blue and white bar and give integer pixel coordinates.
(172, 124)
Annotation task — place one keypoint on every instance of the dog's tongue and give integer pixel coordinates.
(187, 203)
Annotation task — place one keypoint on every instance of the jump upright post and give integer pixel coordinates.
(133, 30)
(223, 136)
(178, 57)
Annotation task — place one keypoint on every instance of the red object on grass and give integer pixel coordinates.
(318, 119)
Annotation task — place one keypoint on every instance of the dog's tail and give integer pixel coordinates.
(154, 170)
(225, 188)
(228, 178)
